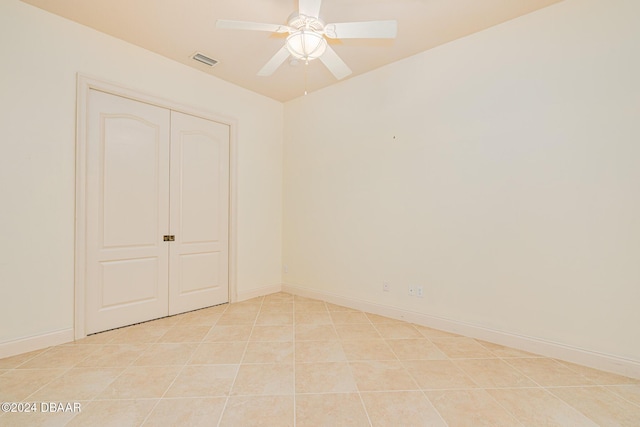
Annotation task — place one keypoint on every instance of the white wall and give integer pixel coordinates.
(40, 55)
(500, 172)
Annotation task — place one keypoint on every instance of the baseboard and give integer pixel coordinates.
(255, 293)
(25, 345)
(604, 362)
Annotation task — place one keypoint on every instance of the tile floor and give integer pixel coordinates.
(283, 360)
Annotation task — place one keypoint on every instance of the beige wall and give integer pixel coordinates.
(40, 55)
(500, 172)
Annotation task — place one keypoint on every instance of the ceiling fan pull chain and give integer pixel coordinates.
(306, 67)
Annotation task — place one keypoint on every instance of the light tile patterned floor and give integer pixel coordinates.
(283, 360)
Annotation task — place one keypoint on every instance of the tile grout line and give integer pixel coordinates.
(183, 367)
(39, 353)
(451, 360)
(515, 417)
(434, 407)
(420, 388)
(149, 344)
(224, 408)
(623, 397)
(366, 412)
(295, 392)
(539, 387)
(59, 376)
(569, 405)
(550, 390)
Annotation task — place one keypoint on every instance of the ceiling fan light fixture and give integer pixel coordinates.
(306, 44)
(308, 36)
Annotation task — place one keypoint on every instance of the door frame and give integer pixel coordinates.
(86, 83)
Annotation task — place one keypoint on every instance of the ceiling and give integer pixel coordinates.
(179, 28)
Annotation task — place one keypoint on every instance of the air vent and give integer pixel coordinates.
(204, 59)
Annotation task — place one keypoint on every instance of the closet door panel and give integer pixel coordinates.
(199, 258)
(199, 188)
(127, 212)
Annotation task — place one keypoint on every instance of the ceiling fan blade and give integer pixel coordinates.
(254, 26)
(309, 7)
(362, 30)
(276, 61)
(335, 64)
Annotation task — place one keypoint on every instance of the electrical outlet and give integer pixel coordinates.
(386, 287)
(286, 268)
(419, 292)
(412, 290)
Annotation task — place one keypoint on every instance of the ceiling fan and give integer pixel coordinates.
(307, 37)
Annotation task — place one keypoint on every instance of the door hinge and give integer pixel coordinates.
(169, 238)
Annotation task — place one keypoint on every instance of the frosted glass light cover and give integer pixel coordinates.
(306, 44)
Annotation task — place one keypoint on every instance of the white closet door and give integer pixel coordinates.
(127, 212)
(199, 266)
